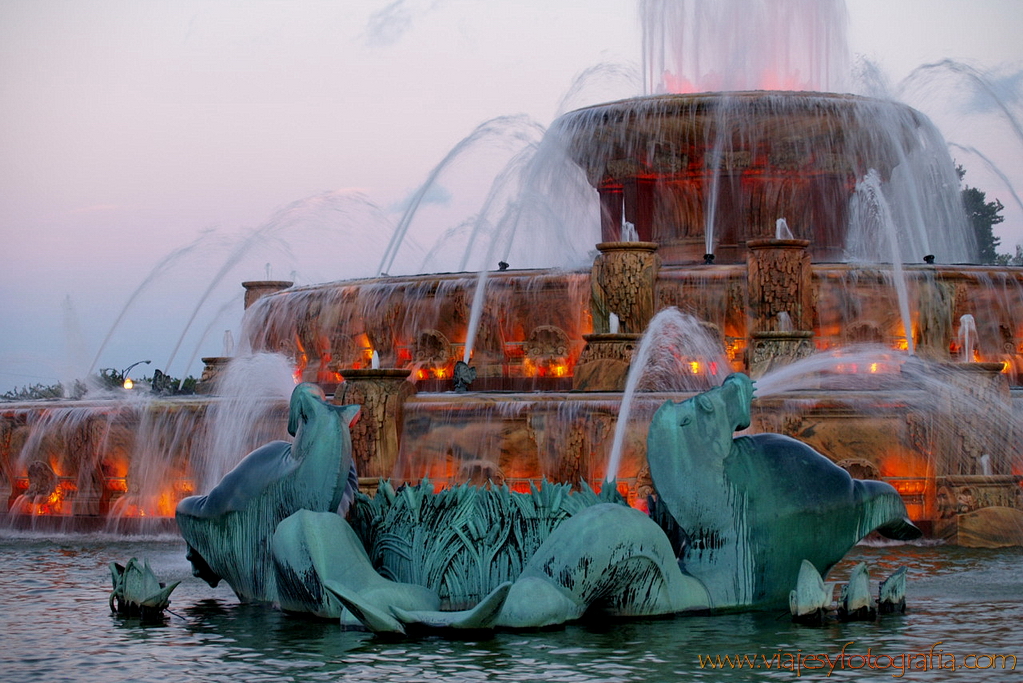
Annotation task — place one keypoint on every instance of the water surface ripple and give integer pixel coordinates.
(56, 626)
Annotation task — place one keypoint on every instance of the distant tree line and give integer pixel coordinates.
(107, 379)
(983, 216)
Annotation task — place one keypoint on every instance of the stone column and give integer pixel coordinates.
(622, 282)
(604, 362)
(780, 303)
(376, 435)
(936, 301)
(257, 289)
(213, 367)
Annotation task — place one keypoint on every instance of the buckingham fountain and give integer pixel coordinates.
(777, 364)
(791, 265)
(813, 241)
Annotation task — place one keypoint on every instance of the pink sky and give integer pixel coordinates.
(134, 129)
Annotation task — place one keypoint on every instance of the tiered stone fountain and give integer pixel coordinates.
(703, 180)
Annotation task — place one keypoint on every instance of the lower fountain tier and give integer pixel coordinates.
(934, 457)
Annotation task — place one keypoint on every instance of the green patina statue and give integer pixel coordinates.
(136, 590)
(228, 531)
(512, 560)
(747, 514)
(606, 557)
(754, 507)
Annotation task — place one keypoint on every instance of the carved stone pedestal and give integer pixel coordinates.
(780, 303)
(980, 511)
(604, 363)
(376, 435)
(213, 366)
(622, 280)
(769, 350)
(257, 289)
(780, 285)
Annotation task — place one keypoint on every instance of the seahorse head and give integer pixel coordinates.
(683, 436)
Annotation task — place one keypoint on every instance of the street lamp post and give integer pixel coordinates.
(125, 380)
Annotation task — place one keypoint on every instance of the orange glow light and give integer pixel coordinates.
(694, 367)
(909, 487)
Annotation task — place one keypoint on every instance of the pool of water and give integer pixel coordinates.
(964, 608)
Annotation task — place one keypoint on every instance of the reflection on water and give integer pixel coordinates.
(56, 626)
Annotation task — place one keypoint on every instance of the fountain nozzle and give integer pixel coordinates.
(929, 259)
(708, 259)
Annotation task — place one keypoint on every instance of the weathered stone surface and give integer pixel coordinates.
(622, 282)
(604, 363)
(780, 287)
(257, 289)
(376, 436)
(990, 527)
(773, 350)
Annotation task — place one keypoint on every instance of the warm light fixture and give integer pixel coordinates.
(125, 380)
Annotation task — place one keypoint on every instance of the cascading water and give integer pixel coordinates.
(965, 419)
(58, 450)
(676, 354)
(871, 213)
(719, 169)
(694, 46)
(166, 446)
(253, 395)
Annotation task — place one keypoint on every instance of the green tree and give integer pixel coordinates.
(983, 216)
